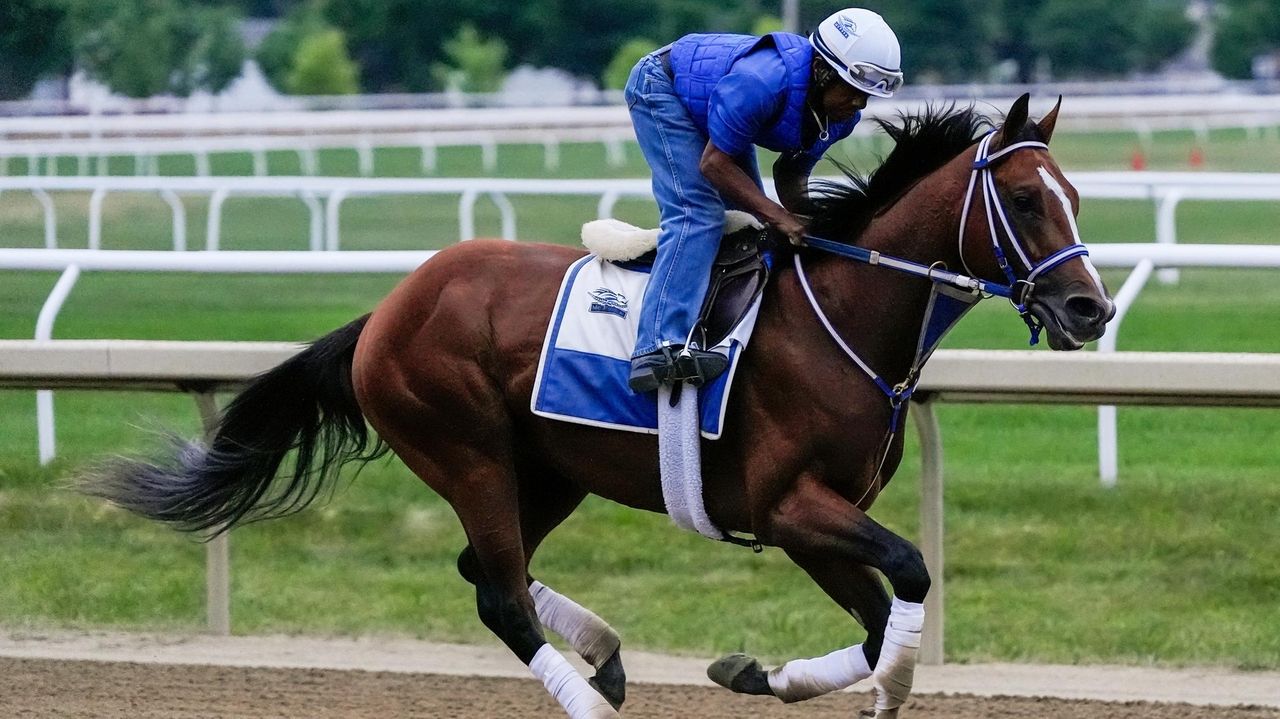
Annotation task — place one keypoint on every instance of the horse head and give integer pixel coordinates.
(1020, 227)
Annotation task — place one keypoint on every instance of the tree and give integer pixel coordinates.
(322, 66)
(619, 69)
(1087, 37)
(1247, 28)
(33, 43)
(1164, 30)
(142, 48)
(475, 64)
(278, 50)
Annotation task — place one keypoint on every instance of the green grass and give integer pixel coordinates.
(1177, 565)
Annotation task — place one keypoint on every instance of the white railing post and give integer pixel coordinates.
(467, 214)
(50, 219)
(213, 224)
(331, 219)
(508, 213)
(45, 437)
(428, 148)
(1108, 441)
(489, 154)
(604, 208)
(931, 529)
(179, 219)
(1167, 229)
(316, 210)
(217, 574)
(95, 218)
(259, 162)
(364, 155)
(551, 154)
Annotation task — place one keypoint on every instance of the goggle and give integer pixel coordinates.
(866, 76)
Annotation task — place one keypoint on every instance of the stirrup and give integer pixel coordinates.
(698, 367)
(650, 371)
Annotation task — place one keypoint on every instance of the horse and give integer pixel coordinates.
(444, 367)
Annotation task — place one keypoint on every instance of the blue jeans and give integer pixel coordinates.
(691, 210)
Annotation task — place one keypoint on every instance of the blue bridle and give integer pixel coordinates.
(1019, 289)
(953, 293)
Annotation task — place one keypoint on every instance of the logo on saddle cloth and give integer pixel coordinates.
(846, 27)
(606, 301)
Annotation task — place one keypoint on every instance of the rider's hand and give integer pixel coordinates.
(792, 227)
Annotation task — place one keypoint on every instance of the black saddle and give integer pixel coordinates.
(738, 276)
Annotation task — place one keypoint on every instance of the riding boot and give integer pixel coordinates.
(692, 365)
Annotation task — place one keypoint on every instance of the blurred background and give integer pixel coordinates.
(88, 55)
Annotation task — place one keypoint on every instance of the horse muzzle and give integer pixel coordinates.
(1072, 318)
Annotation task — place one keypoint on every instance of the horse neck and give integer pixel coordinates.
(877, 311)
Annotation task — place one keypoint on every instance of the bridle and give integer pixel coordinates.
(952, 293)
(1020, 288)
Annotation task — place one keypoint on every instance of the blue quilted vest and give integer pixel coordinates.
(700, 61)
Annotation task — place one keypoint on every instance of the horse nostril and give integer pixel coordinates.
(1086, 308)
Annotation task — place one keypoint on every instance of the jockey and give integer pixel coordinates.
(700, 106)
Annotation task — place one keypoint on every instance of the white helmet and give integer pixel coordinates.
(862, 48)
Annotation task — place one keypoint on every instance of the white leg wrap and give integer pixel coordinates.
(589, 635)
(564, 683)
(896, 669)
(801, 679)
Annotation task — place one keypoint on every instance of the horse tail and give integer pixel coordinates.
(304, 406)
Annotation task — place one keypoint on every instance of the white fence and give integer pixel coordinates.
(1142, 258)
(324, 196)
(1129, 112)
(202, 368)
(145, 137)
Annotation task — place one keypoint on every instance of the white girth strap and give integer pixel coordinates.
(680, 461)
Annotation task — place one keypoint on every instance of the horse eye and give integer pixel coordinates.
(1023, 203)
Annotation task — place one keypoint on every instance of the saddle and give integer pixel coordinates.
(738, 275)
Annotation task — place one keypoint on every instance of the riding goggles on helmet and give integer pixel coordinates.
(874, 79)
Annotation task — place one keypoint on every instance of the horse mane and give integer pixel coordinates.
(922, 144)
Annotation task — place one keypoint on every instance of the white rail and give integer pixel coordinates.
(324, 195)
(951, 376)
(1143, 257)
(1100, 112)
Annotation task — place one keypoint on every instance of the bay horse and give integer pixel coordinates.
(444, 367)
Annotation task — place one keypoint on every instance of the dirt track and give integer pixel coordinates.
(52, 688)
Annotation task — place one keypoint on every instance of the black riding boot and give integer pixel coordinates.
(670, 365)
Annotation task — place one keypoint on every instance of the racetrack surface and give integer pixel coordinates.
(107, 690)
(107, 674)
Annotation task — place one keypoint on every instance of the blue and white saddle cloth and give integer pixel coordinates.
(586, 357)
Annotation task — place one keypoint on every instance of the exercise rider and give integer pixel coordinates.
(700, 106)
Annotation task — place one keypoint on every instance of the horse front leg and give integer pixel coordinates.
(858, 591)
(813, 520)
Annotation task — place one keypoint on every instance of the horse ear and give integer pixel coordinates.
(1015, 120)
(1048, 122)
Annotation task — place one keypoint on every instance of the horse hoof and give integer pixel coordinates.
(740, 673)
(610, 681)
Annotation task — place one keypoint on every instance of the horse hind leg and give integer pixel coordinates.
(484, 497)
(543, 507)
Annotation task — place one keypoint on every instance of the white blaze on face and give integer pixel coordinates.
(1057, 189)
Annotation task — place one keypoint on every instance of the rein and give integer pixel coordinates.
(953, 293)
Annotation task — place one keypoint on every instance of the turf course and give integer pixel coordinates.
(1177, 565)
